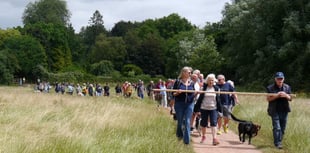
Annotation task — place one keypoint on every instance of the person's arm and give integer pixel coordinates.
(280, 94)
(271, 98)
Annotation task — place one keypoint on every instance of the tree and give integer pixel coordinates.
(103, 67)
(54, 39)
(28, 52)
(267, 32)
(47, 11)
(109, 48)
(121, 28)
(5, 34)
(131, 69)
(172, 25)
(145, 48)
(195, 49)
(90, 33)
(8, 65)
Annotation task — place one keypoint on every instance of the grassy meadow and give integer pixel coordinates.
(297, 136)
(40, 123)
(50, 123)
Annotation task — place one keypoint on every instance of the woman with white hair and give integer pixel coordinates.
(207, 104)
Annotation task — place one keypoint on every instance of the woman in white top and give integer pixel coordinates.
(207, 104)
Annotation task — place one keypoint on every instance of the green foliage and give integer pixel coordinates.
(131, 70)
(172, 25)
(121, 28)
(109, 48)
(29, 53)
(103, 67)
(74, 68)
(8, 65)
(47, 11)
(145, 48)
(195, 49)
(5, 34)
(90, 33)
(252, 41)
(54, 39)
(264, 37)
(40, 71)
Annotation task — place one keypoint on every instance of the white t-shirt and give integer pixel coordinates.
(209, 101)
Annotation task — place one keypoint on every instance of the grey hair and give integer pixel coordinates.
(221, 76)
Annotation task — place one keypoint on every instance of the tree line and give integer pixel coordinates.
(253, 40)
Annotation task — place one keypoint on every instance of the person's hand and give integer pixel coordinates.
(177, 92)
(282, 94)
(237, 102)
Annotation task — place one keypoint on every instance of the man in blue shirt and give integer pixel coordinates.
(226, 101)
(278, 107)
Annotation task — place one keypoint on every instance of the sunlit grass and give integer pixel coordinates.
(297, 136)
(41, 123)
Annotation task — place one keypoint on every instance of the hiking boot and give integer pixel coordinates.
(219, 132)
(203, 139)
(215, 142)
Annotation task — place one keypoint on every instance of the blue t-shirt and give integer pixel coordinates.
(226, 98)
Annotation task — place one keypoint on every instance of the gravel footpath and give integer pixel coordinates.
(229, 143)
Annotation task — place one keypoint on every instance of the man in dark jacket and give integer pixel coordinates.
(278, 107)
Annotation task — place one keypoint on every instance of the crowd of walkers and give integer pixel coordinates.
(86, 89)
(186, 107)
(192, 99)
(202, 105)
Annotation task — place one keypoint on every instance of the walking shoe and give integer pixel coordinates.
(279, 146)
(219, 132)
(225, 129)
(203, 139)
(215, 142)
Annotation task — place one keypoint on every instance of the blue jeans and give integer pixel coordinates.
(279, 120)
(141, 95)
(184, 112)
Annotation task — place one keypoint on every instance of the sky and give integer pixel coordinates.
(198, 12)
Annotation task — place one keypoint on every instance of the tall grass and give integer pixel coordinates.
(297, 136)
(40, 123)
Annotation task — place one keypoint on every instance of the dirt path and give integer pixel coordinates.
(229, 143)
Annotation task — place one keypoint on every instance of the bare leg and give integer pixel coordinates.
(219, 125)
(193, 119)
(225, 126)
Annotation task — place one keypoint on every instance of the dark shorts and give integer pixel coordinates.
(205, 114)
(226, 112)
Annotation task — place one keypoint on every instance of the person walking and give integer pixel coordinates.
(207, 106)
(278, 107)
(163, 94)
(226, 103)
(184, 103)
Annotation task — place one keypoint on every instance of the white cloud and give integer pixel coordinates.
(198, 12)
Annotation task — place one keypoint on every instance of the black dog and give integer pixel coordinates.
(246, 128)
